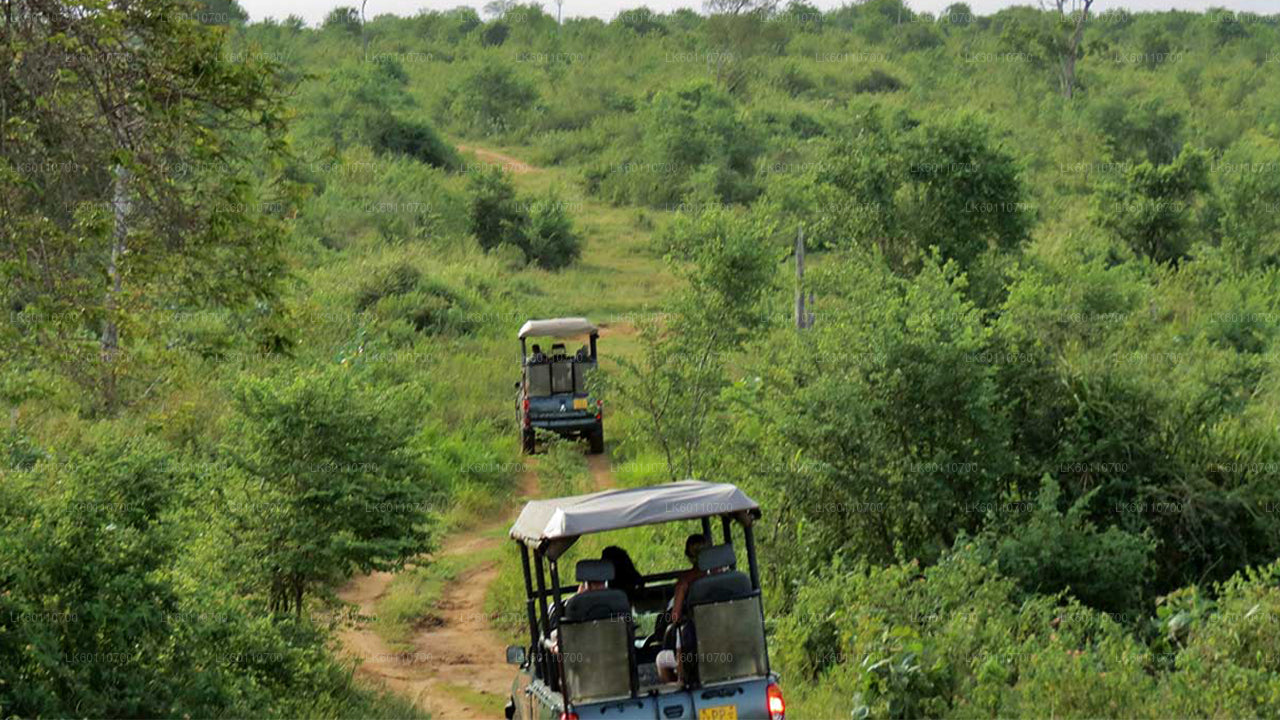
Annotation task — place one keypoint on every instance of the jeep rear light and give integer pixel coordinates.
(566, 715)
(527, 423)
(599, 408)
(777, 708)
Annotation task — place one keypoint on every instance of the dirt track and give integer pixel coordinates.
(461, 651)
(506, 162)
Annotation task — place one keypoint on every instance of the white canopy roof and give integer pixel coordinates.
(557, 327)
(569, 517)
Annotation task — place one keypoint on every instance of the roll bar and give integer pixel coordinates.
(537, 590)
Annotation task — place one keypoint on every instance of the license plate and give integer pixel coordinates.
(719, 712)
(579, 403)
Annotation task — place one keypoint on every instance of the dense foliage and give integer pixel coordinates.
(1024, 463)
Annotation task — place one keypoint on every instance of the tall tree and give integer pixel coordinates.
(1068, 76)
(134, 106)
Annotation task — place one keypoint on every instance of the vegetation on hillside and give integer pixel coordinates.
(258, 312)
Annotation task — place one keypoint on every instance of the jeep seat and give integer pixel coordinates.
(726, 630)
(597, 656)
(720, 586)
(538, 380)
(562, 376)
(602, 604)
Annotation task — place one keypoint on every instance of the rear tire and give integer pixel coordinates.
(527, 441)
(596, 438)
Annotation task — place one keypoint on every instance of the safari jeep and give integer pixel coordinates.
(552, 389)
(585, 659)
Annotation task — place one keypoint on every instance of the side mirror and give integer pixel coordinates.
(515, 654)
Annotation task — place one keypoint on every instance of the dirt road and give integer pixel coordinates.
(456, 667)
(506, 162)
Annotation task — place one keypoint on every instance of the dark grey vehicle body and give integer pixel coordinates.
(553, 393)
(583, 660)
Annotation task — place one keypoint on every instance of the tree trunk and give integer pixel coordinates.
(1073, 49)
(111, 303)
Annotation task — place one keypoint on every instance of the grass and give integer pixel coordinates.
(563, 469)
(413, 595)
(489, 705)
(619, 275)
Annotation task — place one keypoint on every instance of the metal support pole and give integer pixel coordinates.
(546, 619)
(530, 609)
(749, 535)
(555, 580)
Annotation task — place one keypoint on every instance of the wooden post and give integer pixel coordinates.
(801, 316)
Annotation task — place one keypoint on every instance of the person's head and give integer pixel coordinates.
(537, 348)
(625, 574)
(693, 545)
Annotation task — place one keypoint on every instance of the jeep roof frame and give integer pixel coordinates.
(566, 327)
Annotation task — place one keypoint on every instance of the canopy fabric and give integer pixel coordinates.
(569, 517)
(557, 327)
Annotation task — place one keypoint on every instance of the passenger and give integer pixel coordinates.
(669, 670)
(537, 356)
(625, 575)
(693, 545)
(582, 355)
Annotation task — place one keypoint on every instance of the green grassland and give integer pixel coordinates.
(1024, 464)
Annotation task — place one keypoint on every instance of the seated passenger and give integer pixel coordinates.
(582, 355)
(626, 577)
(537, 356)
(693, 545)
(668, 668)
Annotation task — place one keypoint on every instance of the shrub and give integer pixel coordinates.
(551, 240)
(1153, 208)
(949, 641)
(541, 229)
(329, 465)
(877, 81)
(496, 216)
(1052, 552)
(494, 34)
(488, 98)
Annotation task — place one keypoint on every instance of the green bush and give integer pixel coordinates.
(551, 241)
(489, 98)
(877, 81)
(329, 461)
(1052, 552)
(541, 229)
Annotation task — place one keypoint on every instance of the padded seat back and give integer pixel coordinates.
(719, 588)
(562, 376)
(581, 371)
(597, 605)
(538, 379)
